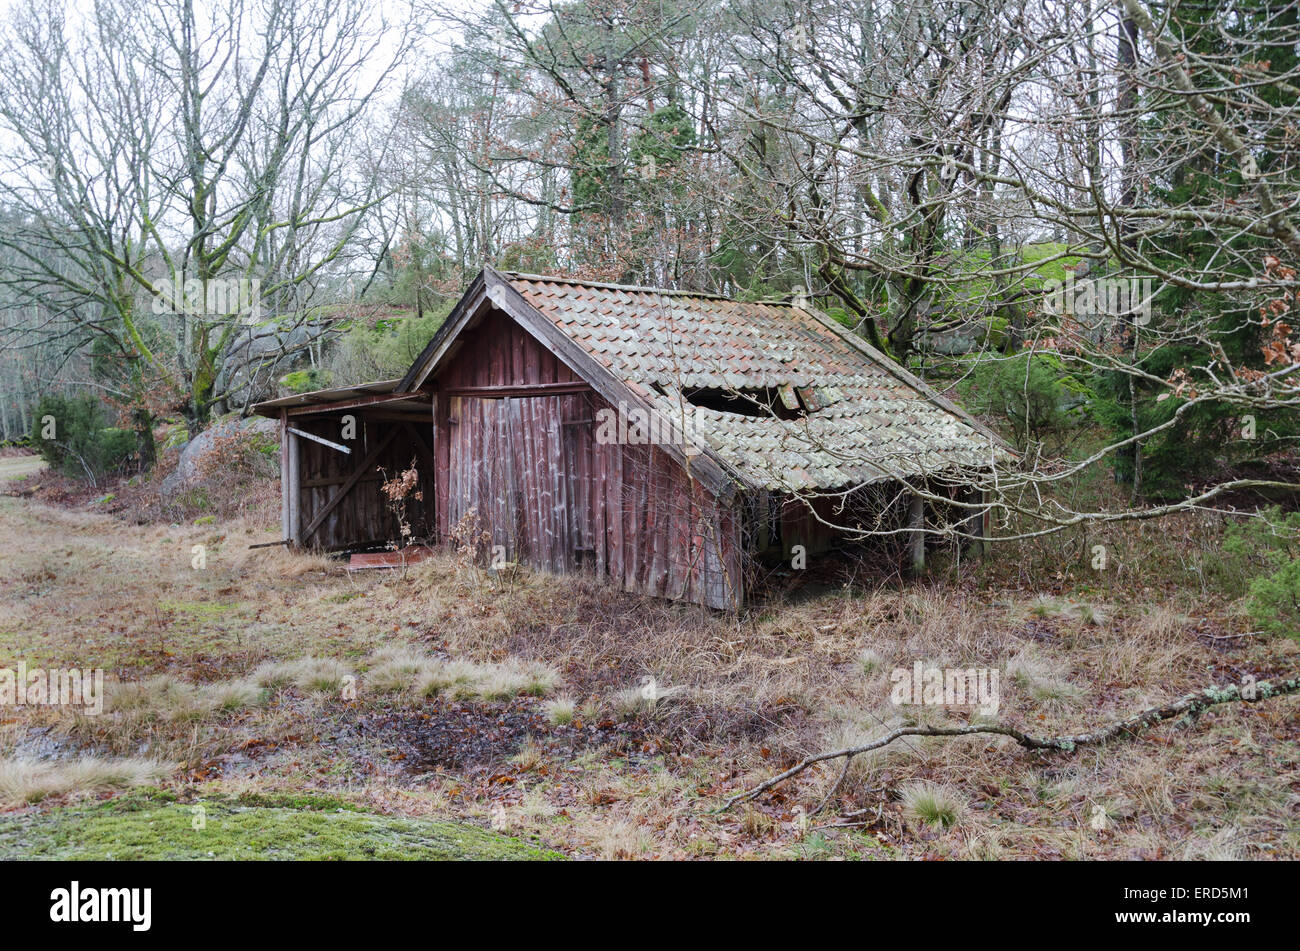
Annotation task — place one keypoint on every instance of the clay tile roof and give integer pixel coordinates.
(866, 419)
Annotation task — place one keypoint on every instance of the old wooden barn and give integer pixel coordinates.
(659, 438)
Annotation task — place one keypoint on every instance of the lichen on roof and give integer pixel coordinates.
(862, 420)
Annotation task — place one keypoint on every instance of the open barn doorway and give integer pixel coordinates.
(340, 505)
(335, 448)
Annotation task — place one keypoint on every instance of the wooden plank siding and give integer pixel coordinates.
(529, 469)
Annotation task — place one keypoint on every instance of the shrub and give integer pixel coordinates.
(241, 454)
(1032, 394)
(382, 351)
(82, 443)
(1274, 602)
(304, 381)
(1270, 544)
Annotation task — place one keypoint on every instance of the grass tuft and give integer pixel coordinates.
(561, 711)
(28, 781)
(933, 804)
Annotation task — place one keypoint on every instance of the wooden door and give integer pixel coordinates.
(512, 472)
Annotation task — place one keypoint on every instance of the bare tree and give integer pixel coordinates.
(205, 161)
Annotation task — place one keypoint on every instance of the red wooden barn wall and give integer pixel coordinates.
(531, 472)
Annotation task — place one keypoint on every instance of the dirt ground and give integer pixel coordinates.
(595, 723)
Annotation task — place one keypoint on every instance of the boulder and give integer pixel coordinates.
(189, 467)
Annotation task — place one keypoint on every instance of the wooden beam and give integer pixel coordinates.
(977, 524)
(357, 402)
(521, 391)
(285, 494)
(391, 416)
(322, 440)
(295, 493)
(344, 489)
(916, 540)
(339, 480)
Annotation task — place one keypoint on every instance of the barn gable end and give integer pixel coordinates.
(516, 442)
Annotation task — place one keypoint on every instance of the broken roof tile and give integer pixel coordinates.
(865, 421)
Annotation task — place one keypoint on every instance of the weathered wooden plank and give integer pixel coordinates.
(564, 502)
(507, 487)
(442, 477)
(600, 526)
(322, 440)
(544, 467)
(295, 489)
(494, 370)
(389, 559)
(532, 365)
(634, 479)
(327, 481)
(523, 445)
(436, 441)
(516, 354)
(614, 510)
(656, 506)
(333, 409)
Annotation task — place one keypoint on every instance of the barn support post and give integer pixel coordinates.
(284, 476)
(977, 524)
(294, 480)
(438, 477)
(916, 528)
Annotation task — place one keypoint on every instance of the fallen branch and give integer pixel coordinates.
(1191, 705)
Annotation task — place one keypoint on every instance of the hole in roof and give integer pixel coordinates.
(760, 402)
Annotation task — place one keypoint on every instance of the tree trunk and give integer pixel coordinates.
(1126, 59)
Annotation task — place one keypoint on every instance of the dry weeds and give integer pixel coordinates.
(240, 672)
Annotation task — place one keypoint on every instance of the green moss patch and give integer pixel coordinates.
(136, 829)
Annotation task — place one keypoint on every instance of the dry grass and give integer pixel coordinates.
(622, 839)
(648, 699)
(402, 671)
(162, 714)
(561, 711)
(278, 562)
(29, 781)
(1044, 681)
(247, 663)
(167, 699)
(321, 675)
(933, 804)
